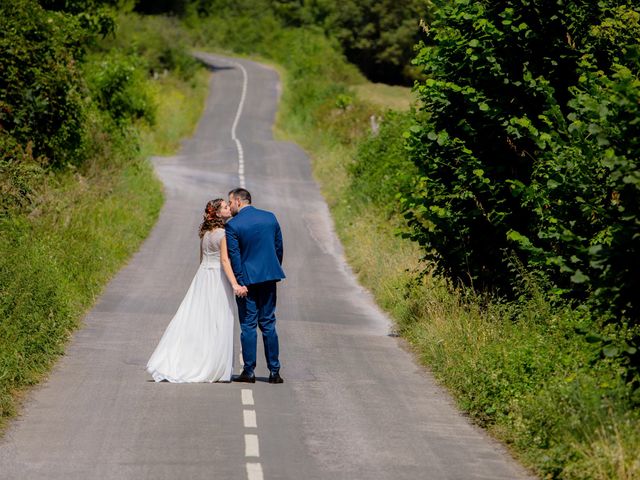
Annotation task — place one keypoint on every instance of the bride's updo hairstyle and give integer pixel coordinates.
(211, 219)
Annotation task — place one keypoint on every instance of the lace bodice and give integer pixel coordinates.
(211, 247)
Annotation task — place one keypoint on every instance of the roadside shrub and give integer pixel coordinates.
(41, 86)
(382, 169)
(159, 43)
(529, 154)
(20, 173)
(120, 88)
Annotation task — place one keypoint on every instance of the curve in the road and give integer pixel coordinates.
(243, 95)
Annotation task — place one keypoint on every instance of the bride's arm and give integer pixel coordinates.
(201, 249)
(226, 266)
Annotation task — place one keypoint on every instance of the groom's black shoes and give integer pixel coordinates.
(275, 378)
(245, 377)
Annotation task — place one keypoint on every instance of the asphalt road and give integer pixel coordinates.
(354, 404)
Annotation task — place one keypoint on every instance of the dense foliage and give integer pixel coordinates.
(63, 90)
(381, 161)
(528, 151)
(377, 36)
(41, 84)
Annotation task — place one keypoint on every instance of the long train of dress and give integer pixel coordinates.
(197, 345)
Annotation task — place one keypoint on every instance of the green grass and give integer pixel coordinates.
(393, 97)
(56, 261)
(180, 105)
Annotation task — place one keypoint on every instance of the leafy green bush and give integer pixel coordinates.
(382, 169)
(159, 44)
(94, 16)
(120, 88)
(20, 172)
(529, 153)
(377, 36)
(41, 86)
(585, 188)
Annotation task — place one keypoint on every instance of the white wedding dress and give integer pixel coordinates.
(197, 345)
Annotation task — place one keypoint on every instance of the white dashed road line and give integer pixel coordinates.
(250, 419)
(254, 471)
(251, 445)
(247, 396)
(251, 442)
(243, 95)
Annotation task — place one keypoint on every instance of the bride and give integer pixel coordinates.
(197, 345)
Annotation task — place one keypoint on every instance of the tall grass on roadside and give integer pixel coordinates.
(56, 260)
(610, 452)
(180, 106)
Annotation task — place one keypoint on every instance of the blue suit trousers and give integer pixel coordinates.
(258, 309)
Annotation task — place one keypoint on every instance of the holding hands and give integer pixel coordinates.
(240, 290)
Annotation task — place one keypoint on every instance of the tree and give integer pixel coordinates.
(377, 36)
(41, 85)
(527, 148)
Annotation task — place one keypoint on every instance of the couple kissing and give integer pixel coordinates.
(241, 253)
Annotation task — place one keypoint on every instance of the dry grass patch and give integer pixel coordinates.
(385, 96)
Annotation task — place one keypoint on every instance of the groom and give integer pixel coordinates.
(254, 242)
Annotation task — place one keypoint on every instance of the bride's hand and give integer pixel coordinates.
(240, 291)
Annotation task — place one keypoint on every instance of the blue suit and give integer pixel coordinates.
(254, 243)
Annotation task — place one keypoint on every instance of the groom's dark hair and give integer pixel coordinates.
(241, 193)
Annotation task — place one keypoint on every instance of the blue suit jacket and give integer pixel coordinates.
(254, 242)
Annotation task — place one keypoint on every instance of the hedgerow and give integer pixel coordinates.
(528, 156)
